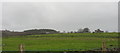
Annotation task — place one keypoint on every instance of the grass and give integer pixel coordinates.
(60, 42)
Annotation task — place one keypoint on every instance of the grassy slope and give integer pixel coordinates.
(60, 42)
(0, 43)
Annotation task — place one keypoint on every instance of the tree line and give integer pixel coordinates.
(6, 33)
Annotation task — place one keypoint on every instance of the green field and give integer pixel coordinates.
(61, 42)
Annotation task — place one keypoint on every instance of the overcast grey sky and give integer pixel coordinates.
(63, 16)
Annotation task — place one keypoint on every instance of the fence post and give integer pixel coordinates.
(21, 48)
(104, 47)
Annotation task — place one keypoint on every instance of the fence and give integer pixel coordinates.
(103, 50)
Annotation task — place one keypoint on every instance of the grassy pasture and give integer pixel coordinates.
(60, 42)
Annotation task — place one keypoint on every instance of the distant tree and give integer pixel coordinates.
(86, 30)
(75, 32)
(80, 31)
(41, 31)
(98, 31)
(71, 32)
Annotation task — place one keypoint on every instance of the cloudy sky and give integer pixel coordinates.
(63, 16)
